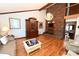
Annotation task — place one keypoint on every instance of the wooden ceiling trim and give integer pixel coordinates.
(18, 11)
(72, 5)
(47, 6)
(50, 5)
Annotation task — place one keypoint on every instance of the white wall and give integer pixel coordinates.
(77, 31)
(40, 15)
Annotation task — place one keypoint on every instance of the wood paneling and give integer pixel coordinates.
(72, 4)
(51, 46)
(58, 11)
(74, 9)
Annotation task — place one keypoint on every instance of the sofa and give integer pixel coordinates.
(9, 48)
(72, 45)
(71, 53)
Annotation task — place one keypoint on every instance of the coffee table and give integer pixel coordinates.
(31, 48)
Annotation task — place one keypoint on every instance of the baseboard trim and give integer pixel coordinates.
(26, 37)
(20, 38)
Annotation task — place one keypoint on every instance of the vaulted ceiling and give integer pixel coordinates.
(7, 7)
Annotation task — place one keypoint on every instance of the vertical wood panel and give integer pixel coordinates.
(74, 10)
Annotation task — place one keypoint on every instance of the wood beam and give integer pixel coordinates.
(46, 6)
(72, 5)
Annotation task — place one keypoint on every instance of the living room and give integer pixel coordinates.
(42, 22)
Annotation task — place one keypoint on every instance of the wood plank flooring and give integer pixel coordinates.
(51, 46)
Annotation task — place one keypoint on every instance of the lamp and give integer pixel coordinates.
(4, 30)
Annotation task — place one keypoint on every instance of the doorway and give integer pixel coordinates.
(70, 28)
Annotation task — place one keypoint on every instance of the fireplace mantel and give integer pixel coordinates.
(71, 16)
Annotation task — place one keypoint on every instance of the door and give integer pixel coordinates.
(70, 29)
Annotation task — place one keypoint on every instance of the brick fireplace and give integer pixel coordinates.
(58, 11)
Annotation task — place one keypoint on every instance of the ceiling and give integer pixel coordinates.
(7, 7)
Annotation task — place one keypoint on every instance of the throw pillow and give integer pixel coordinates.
(10, 37)
(34, 41)
(28, 43)
(4, 40)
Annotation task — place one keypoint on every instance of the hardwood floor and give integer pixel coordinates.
(51, 46)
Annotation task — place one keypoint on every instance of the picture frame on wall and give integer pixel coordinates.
(40, 25)
(14, 23)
